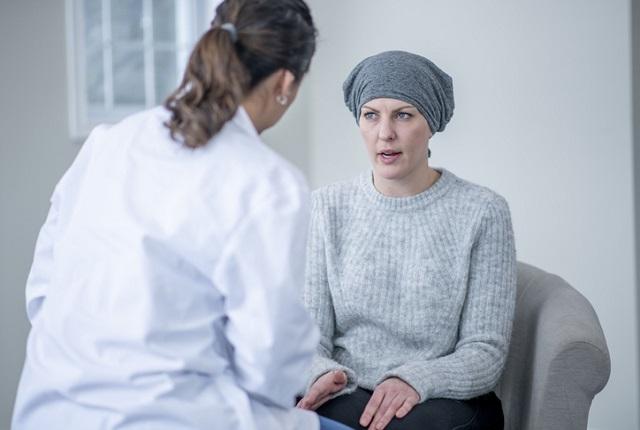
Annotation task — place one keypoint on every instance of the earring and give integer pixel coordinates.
(282, 99)
(429, 153)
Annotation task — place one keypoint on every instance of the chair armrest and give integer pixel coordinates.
(558, 358)
(571, 361)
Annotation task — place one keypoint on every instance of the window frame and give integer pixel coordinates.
(192, 17)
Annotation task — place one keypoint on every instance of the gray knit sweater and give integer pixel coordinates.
(421, 288)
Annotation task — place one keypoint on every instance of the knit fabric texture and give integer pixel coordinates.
(421, 288)
(402, 76)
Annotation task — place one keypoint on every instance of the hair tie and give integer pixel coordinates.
(231, 29)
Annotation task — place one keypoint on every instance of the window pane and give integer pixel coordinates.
(95, 77)
(128, 76)
(166, 74)
(126, 20)
(94, 50)
(164, 21)
(93, 22)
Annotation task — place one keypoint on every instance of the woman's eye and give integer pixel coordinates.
(369, 115)
(404, 115)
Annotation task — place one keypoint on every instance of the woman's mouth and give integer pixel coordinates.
(389, 157)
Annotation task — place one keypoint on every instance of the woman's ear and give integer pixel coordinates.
(287, 84)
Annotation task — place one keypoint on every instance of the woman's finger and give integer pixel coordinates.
(320, 402)
(304, 403)
(386, 411)
(406, 407)
(339, 378)
(327, 384)
(319, 389)
(371, 408)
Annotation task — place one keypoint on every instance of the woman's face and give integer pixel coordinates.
(396, 136)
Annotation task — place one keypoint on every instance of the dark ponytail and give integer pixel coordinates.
(225, 66)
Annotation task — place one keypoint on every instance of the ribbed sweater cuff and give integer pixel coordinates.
(322, 365)
(413, 374)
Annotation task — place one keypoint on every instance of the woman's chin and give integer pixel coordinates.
(389, 173)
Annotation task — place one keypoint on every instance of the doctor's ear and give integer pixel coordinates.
(287, 87)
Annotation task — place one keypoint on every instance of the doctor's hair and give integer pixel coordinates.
(248, 40)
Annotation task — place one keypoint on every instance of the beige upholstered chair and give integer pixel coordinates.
(558, 359)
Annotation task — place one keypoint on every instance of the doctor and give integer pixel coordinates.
(165, 282)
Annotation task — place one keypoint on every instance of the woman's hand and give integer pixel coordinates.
(322, 389)
(393, 397)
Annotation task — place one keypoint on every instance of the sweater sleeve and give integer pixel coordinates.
(476, 363)
(317, 299)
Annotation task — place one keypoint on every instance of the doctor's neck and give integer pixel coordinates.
(270, 99)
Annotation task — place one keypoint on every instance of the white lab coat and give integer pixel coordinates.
(164, 292)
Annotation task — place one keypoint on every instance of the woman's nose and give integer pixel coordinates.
(386, 131)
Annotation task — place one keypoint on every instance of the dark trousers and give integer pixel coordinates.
(480, 413)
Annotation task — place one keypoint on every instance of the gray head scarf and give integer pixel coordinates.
(403, 76)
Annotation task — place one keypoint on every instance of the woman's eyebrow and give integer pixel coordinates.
(404, 107)
(395, 110)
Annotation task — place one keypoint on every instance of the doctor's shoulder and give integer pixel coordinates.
(258, 170)
(86, 153)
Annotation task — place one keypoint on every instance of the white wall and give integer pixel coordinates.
(290, 136)
(543, 116)
(35, 149)
(635, 55)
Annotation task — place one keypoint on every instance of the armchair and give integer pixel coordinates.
(558, 358)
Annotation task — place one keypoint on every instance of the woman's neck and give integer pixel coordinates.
(409, 186)
(253, 111)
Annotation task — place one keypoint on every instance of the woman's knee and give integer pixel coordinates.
(482, 413)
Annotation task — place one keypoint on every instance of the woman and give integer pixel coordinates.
(162, 292)
(411, 270)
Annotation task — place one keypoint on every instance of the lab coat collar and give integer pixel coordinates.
(242, 120)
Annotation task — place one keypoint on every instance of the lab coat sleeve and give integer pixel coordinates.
(261, 274)
(40, 274)
(42, 266)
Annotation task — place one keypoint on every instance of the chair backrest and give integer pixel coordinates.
(558, 357)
